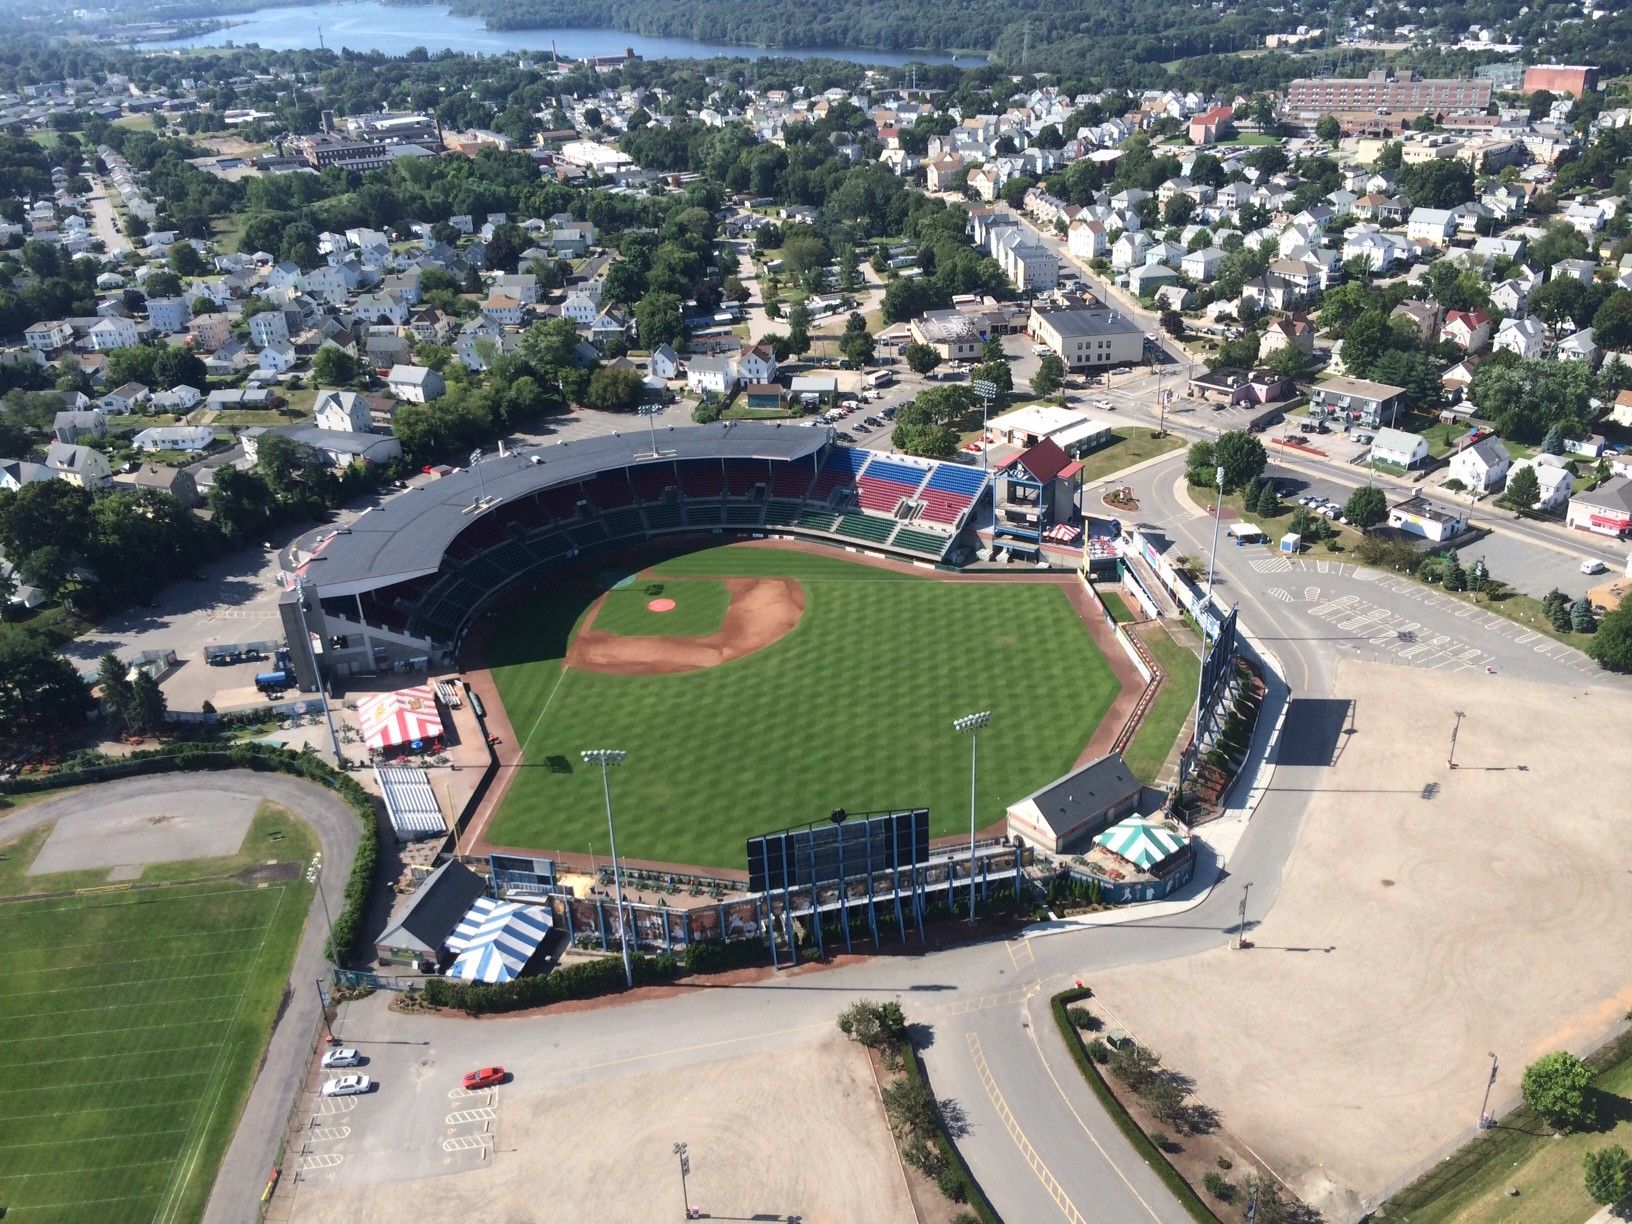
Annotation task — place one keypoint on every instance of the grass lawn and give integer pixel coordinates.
(853, 708)
(1128, 447)
(741, 412)
(1522, 1152)
(134, 1023)
(1165, 720)
(1116, 606)
(699, 609)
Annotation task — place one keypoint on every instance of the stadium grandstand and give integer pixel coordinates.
(402, 582)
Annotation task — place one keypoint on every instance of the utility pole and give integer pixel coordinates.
(317, 672)
(606, 758)
(1241, 922)
(1212, 565)
(972, 723)
(1485, 1119)
(1455, 729)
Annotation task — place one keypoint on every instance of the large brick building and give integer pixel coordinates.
(1572, 79)
(1379, 92)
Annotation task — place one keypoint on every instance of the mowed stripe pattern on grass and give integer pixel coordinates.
(852, 709)
(699, 609)
(133, 1024)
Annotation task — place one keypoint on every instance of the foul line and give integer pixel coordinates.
(545, 710)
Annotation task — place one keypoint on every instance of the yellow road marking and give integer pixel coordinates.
(1029, 1153)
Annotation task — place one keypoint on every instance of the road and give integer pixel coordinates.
(104, 224)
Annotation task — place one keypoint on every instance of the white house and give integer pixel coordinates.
(268, 327)
(49, 336)
(665, 363)
(580, 307)
(342, 410)
(126, 398)
(1418, 516)
(1522, 337)
(1435, 225)
(180, 398)
(1482, 466)
(169, 315)
(1553, 481)
(1581, 346)
(1086, 239)
(416, 384)
(1202, 265)
(1469, 330)
(112, 333)
(277, 358)
(1398, 447)
(191, 438)
(1606, 510)
(710, 375)
(1129, 251)
(502, 308)
(756, 365)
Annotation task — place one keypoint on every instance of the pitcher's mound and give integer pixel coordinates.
(762, 611)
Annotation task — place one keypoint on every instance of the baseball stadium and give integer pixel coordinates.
(771, 624)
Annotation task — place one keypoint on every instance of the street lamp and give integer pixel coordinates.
(988, 392)
(972, 723)
(314, 875)
(685, 1168)
(1485, 1120)
(606, 758)
(317, 671)
(1212, 566)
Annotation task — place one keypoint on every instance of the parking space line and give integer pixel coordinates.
(460, 1117)
(466, 1143)
(321, 1160)
(327, 1134)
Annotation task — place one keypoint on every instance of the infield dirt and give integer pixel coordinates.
(762, 611)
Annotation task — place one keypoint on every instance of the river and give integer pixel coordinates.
(395, 30)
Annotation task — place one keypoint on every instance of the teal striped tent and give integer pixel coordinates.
(1144, 843)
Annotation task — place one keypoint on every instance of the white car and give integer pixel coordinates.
(1593, 566)
(1040, 350)
(343, 1057)
(347, 1085)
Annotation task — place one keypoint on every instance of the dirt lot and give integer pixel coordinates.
(762, 611)
(821, 1152)
(1416, 930)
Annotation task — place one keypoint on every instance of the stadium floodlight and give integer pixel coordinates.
(987, 391)
(972, 723)
(606, 758)
(1201, 622)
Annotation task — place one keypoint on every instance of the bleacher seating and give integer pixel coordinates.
(704, 514)
(588, 534)
(790, 480)
(950, 492)
(779, 512)
(839, 471)
(662, 518)
(911, 539)
(742, 476)
(867, 527)
(625, 522)
(562, 503)
(650, 479)
(817, 520)
(739, 514)
(609, 491)
(702, 479)
(884, 483)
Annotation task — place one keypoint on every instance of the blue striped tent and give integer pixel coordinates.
(496, 939)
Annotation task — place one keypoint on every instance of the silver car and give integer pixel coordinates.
(343, 1057)
(347, 1085)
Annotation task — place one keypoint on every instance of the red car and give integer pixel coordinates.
(484, 1077)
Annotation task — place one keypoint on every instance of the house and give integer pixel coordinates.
(268, 327)
(112, 332)
(72, 426)
(79, 465)
(1128, 251)
(756, 365)
(1202, 265)
(50, 336)
(386, 309)
(1553, 481)
(237, 399)
(1212, 125)
(418, 929)
(1086, 239)
(1581, 346)
(277, 358)
(209, 332)
(1511, 296)
(1521, 337)
(1606, 510)
(502, 308)
(1143, 282)
(1357, 401)
(1065, 815)
(15, 473)
(664, 363)
(127, 398)
(1418, 516)
(1294, 333)
(169, 315)
(193, 439)
(1432, 225)
(343, 410)
(1581, 270)
(581, 307)
(711, 375)
(1397, 447)
(416, 384)
(180, 398)
(1424, 317)
(1088, 339)
(1482, 466)
(430, 325)
(1469, 330)
(763, 397)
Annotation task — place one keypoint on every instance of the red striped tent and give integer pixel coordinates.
(393, 720)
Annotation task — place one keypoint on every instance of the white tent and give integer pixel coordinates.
(496, 939)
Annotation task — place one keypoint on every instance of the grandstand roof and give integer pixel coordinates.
(407, 536)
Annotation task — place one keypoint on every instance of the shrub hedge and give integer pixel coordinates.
(718, 955)
(584, 980)
(345, 947)
(1148, 1151)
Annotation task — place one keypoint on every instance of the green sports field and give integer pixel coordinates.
(699, 609)
(133, 1022)
(852, 709)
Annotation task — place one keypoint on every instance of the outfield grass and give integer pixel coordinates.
(852, 709)
(134, 1024)
(1116, 606)
(699, 609)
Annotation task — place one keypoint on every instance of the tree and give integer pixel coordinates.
(1581, 618)
(1367, 506)
(1609, 1174)
(1172, 322)
(41, 694)
(1555, 1086)
(147, 705)
(658, 320)
(186, 261)
(1455, 577)
(990, 350)
(1556, 605)
(1612, 644)
(1050, 375)
(116, 688)
(175, 366)
(857, 347)
(1612, 323)
(615, 389)
(1523, 489)
(998, 374)
(873, 1024)
(1329, 129)
(798, 329)
(333, 365)
(1241, 456)
(1268, 503)
(921, 358)
(928, 441)
(1552, 443)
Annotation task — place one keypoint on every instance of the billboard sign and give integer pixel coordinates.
(825, 852)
